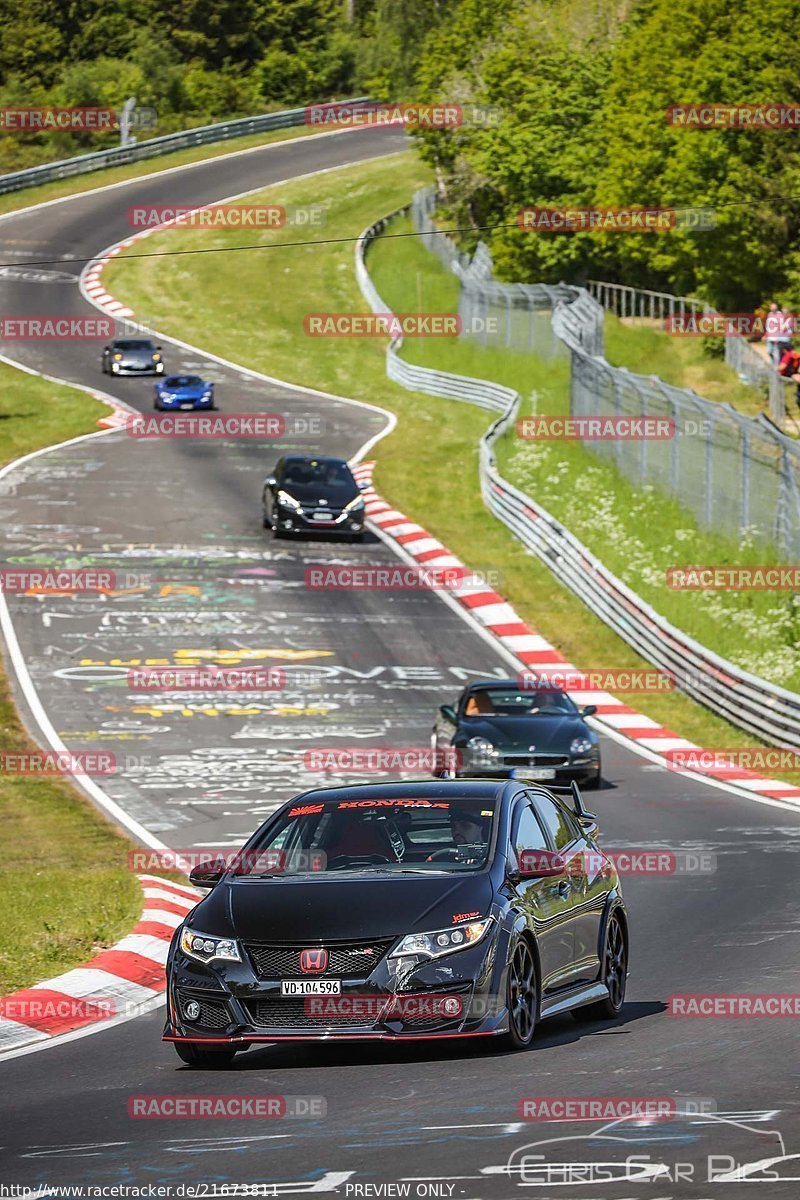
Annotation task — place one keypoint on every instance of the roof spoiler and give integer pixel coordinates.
(581, 812)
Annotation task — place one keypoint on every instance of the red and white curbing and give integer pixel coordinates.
(534, 652)
(120, 981)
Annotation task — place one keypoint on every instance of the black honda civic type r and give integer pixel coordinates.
(444, 909)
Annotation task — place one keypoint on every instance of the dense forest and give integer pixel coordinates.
(583, 87)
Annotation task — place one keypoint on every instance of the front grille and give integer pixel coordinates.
(346, 960)
(535, 760)
(291, 1013)
(214, 1014)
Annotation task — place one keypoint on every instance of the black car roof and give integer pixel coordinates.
(310, 458)
(409, 789)
(485, 683)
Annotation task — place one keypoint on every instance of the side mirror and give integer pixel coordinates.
(159, 347)
(207, 875)
(588, 710)
(270, 481)
(541, 864)
(449, 713)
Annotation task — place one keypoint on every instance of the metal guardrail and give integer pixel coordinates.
(731, 471)
(769, 712)
(184, 139)
(641, 304)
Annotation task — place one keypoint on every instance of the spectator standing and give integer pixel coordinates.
(789, 367)
(778, 333)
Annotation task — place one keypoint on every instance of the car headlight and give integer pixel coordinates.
(482, 747)
(117, 357)
(156, 358)
(289, 501)
(205, 947)
(580, 745)
(355, 505)
(442, 941)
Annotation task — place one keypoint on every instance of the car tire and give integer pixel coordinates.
(265, 521)
(522, 998)
(614, 968)
(196, 1055)
(594, 783)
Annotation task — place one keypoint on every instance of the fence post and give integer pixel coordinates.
(745, 452)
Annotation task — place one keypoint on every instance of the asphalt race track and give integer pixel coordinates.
(202, 582)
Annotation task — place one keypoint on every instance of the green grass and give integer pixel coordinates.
(65, 890)
(680, 361)
(257, 319)
(76, 184)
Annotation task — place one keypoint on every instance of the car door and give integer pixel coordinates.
(587, 891)
(545, 903)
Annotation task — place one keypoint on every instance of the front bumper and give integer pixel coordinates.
(582, 772)
(184, 405)
(118, 368)
(237, 1008)
(288, 520)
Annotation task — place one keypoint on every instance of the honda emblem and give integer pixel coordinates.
(313, 960)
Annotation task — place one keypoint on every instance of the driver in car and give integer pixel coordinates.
(470, 835)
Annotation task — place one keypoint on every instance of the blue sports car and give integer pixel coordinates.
(183, 392)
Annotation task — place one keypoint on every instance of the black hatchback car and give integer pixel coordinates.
(501, 729)
(437, 909)
(319, 494)
(132, 356)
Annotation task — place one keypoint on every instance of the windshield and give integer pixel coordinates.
(509, 702)
(181, 381)
(133, 345)
(374, 835)
(320, 474)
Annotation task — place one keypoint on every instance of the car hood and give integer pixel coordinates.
(520, 733)
(312, 493)
(302, 910)
(137, 357)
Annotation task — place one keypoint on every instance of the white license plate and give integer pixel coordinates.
(190, 404)
(311, 987)
(323, 516)
(533, 773)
